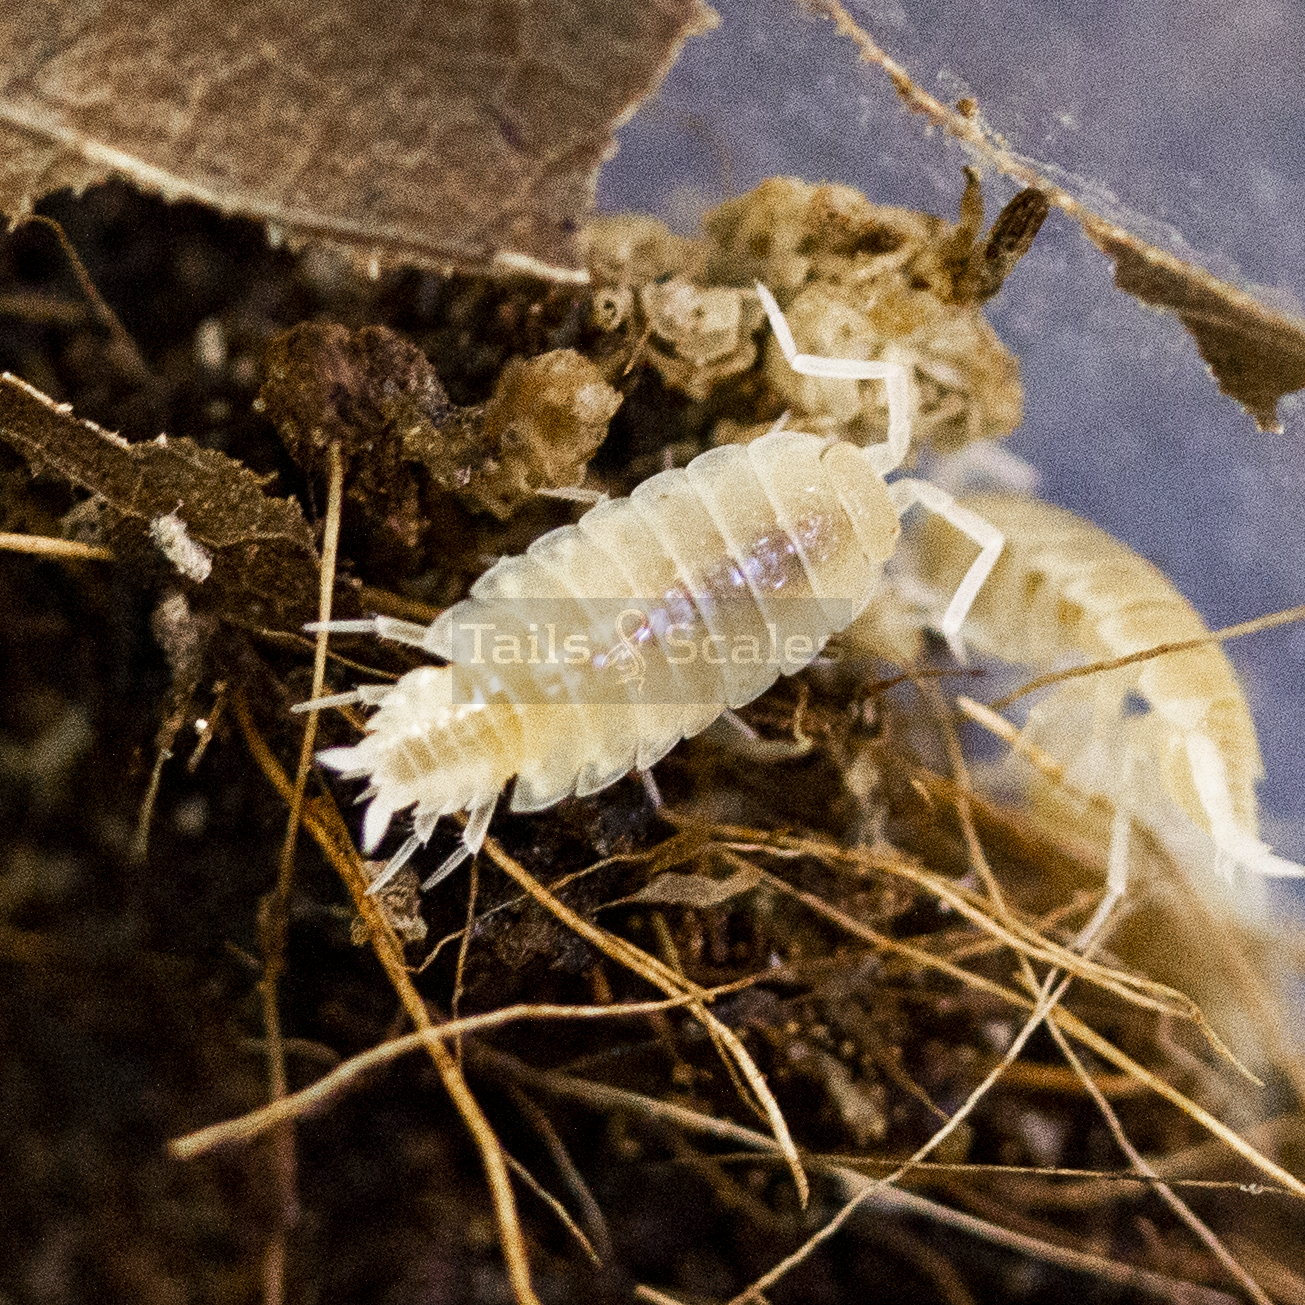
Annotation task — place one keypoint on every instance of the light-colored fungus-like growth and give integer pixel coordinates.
(191, 559)
(864, 280)
(544, 421)
(858, 280)
(699, 336)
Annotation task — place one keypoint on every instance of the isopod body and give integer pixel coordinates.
(609, 640)
(1064, 591)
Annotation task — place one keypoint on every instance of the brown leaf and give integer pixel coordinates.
(442, 133)
(1256, 352)
(245, 555)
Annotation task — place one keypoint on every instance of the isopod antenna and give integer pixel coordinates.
(884, 457)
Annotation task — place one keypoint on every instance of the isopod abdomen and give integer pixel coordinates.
(1066, 590)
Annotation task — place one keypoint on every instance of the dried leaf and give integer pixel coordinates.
(437, 132)
(1256, 352)
(169, 498)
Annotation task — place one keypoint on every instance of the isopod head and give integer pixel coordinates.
(865, 499)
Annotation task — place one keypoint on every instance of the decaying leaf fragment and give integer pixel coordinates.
(1255, 351)
(377, 395)
(167, 501)
(324, 384)
(435, 132)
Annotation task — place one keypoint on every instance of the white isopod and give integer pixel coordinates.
(610, 640)
(1063, 591)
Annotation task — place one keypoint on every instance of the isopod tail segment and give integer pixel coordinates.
(428, 639)
(435, 639)
(1234, 844)
(1235, 847)
(779, 542)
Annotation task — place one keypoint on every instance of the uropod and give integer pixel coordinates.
(609, 640)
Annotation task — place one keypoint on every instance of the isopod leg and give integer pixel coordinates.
(370, 695)
(394, 865)
(366, 626)
(473, 838)
(896, 378)
(989, 539)
(332, 700)
(736, 734)
(573, 494)
(447, 867)
(650, 787)
(1121, 826)
(431, 638)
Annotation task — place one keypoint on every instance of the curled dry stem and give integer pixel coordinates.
(601, 1096)
(560, 1212)
(274, 919)
(1088, 943)
(667, 853)
(1046, 998)
(128, 355)
(1010, 932)
(1064, 1019)
(1048, 995)
(349, 1072)
(66, 550)
(1167, 1194)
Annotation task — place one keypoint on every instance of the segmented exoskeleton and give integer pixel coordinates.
(610, 640)
(1064, 591)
